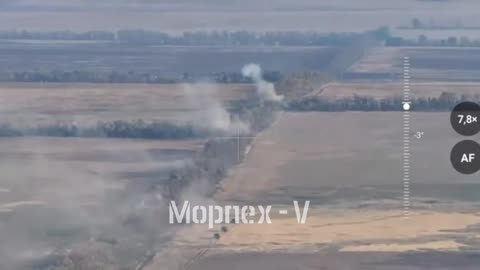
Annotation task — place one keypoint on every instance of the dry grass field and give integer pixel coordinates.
(443, 64)
(312, 152)
(34, 169)
(381, 59)
(345, 260)
(25, 103)
(56, 193)
(349, 166)
(166, 62)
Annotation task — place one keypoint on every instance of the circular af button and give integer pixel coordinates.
(465, 157)
(465, 118)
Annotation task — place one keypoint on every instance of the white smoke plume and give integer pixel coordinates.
(209, 111)
(265, 90)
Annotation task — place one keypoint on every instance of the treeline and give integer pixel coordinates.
(130, 77)
(225, 38)
(423, 40)
(199, 38)
(249, 111)
(418, 24)
(58, 35)
(114, 129)
(356, 47)
(445, 102)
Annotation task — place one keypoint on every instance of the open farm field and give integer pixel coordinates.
(426, 64)
(356, 219)
(166, 61)
(86, 104)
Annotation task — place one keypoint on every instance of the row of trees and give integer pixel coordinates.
(129, 77)
(358, 45)
(423, 40)
(292, 38)
(57, 35)
(115, 129)
(445, 102)
(417, 23)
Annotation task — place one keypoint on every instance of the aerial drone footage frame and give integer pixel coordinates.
(205, 134)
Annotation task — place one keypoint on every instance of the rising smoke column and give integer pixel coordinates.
(210, 112)
(265, 90)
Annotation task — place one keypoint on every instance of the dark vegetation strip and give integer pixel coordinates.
(199, 38)
(351, 46)
(115, 129)
(247, 111)
(445, 102)
(425, 41)
(128, 77)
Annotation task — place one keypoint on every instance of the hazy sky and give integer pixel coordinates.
(260, 15)
(212, 4)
